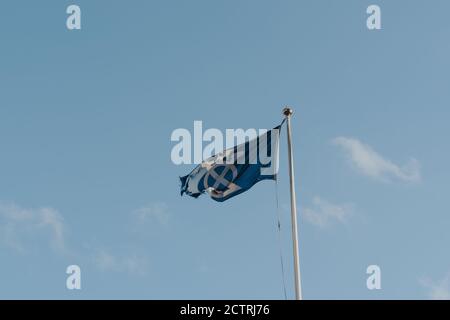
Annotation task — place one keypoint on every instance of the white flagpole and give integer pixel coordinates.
(298, 286)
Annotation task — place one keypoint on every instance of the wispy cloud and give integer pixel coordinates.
(323, 213)
(145, 220)
(133, 263)
(21, 226)
(152, 213)
(437, 290)
(370, 163)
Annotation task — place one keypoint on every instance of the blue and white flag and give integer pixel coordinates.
(235, 170)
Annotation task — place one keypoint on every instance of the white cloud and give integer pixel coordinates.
(324, 213)
(439, 290)
(156, 212)
(131, 263)
(144, 220)
(19, 227)
(372, 164)
(52, 219)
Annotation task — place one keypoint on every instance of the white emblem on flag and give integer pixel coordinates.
(215, 181)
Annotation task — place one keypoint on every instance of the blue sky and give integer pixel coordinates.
(86, 176)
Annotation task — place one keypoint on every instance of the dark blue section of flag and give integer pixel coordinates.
(223, 180)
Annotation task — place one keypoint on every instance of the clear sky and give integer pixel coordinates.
(86, 176)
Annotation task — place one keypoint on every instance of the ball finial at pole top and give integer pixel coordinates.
(288, 111)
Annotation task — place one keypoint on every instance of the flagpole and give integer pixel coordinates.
(298, 286)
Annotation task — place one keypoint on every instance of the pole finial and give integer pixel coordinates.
(288, 111)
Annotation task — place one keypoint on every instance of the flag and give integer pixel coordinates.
(236, 169)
